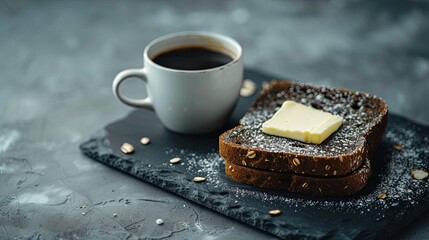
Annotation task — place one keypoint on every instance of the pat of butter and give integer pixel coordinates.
(302, 123)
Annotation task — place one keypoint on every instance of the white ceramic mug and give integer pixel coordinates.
(188, 101)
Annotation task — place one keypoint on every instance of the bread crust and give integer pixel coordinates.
(304, 184)
(339, 165)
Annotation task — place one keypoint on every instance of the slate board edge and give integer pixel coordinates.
(97, 144)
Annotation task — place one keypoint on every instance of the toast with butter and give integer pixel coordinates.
(343, 152)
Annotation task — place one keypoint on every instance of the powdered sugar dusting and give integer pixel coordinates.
(209, 165)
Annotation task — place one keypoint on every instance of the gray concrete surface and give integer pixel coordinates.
(57, 62)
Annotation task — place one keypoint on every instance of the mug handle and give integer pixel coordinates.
(140, 73)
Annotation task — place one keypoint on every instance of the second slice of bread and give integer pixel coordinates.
(305, 184)
(365, 118)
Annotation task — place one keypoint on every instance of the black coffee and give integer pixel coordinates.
(192, 58)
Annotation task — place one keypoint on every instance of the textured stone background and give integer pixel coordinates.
(58, 59)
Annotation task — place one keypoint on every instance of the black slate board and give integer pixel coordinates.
(362, 216)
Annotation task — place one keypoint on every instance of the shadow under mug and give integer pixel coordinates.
(188, 101)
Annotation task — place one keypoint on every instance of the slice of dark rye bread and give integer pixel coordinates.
(305, 184)
(365, 118)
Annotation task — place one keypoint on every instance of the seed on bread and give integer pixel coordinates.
(341, 159)
(398, 147)
(419, 174)
(296, 162)
(335, 173)
(327, 167)
(251, 154)
(264, 83)
(382, 196)
(320, 190)
(275, 212)
(244, 163)
(304, 185)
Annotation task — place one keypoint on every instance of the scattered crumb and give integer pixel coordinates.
(248, 88)
(275, 212)
(159, 221)
(175, 160)
(127, 148)
(419, 174)
(199, 179)
(145, 140)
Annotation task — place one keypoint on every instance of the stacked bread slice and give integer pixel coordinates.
(338, 166)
